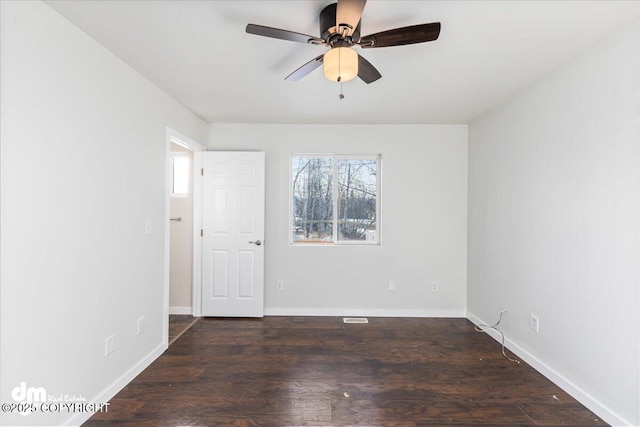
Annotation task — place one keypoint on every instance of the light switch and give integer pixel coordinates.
(109, 345)
(140, 325)
(147, 227)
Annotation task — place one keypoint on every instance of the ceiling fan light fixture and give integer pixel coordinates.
(340, 64)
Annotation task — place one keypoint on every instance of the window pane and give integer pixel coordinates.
(312, 199)
(180, 176)
(357, 189)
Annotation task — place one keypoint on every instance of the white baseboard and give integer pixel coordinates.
(113, 389)
(576, 392)
(180, 310)
(362, 312)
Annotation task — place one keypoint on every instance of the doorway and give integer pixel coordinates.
(182, 265)
(181, 232)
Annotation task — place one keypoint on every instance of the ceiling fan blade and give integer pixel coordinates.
(305, 69)
(366, 71)
(401, 36)
(349, 13)
(277, 33)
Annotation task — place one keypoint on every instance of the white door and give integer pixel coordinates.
(233, 234)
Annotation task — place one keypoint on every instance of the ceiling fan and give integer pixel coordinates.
(340, 31)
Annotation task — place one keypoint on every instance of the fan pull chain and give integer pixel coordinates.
(341, 96)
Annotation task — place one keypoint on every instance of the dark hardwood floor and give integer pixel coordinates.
(317, 371)
(179, 324)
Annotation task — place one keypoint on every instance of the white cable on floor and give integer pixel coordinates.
(485, 328)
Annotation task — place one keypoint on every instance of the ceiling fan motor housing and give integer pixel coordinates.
(330, 33)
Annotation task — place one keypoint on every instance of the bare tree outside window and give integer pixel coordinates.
(357, 189)
(334, 199)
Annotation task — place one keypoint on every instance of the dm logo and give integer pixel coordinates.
(22, 394)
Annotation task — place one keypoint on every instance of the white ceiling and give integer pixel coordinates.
(488, 51)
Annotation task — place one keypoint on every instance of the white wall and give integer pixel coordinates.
(83, 152)
(423, 221)
(554, 208)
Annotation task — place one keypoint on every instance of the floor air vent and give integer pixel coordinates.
(355, 320)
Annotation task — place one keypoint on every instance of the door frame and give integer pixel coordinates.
(174, 137)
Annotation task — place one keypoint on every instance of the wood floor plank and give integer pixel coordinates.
(318, 371)
(177, 324)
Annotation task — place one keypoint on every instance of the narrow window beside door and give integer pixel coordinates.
(180, 168)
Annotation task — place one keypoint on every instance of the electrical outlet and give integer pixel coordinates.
(140, 325)
(534, 322)
(280, 285)
(434, 287)
(109, 345)
(392, 285)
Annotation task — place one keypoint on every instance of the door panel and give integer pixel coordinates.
(219, 274)
(246, 210)
(246, 275)
(233, 218)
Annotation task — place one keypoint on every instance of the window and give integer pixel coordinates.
(179, 174)
(335, 199)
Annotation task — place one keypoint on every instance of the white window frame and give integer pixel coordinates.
(335, 197)
(174, 156)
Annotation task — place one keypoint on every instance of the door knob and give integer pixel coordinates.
(257, 242)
